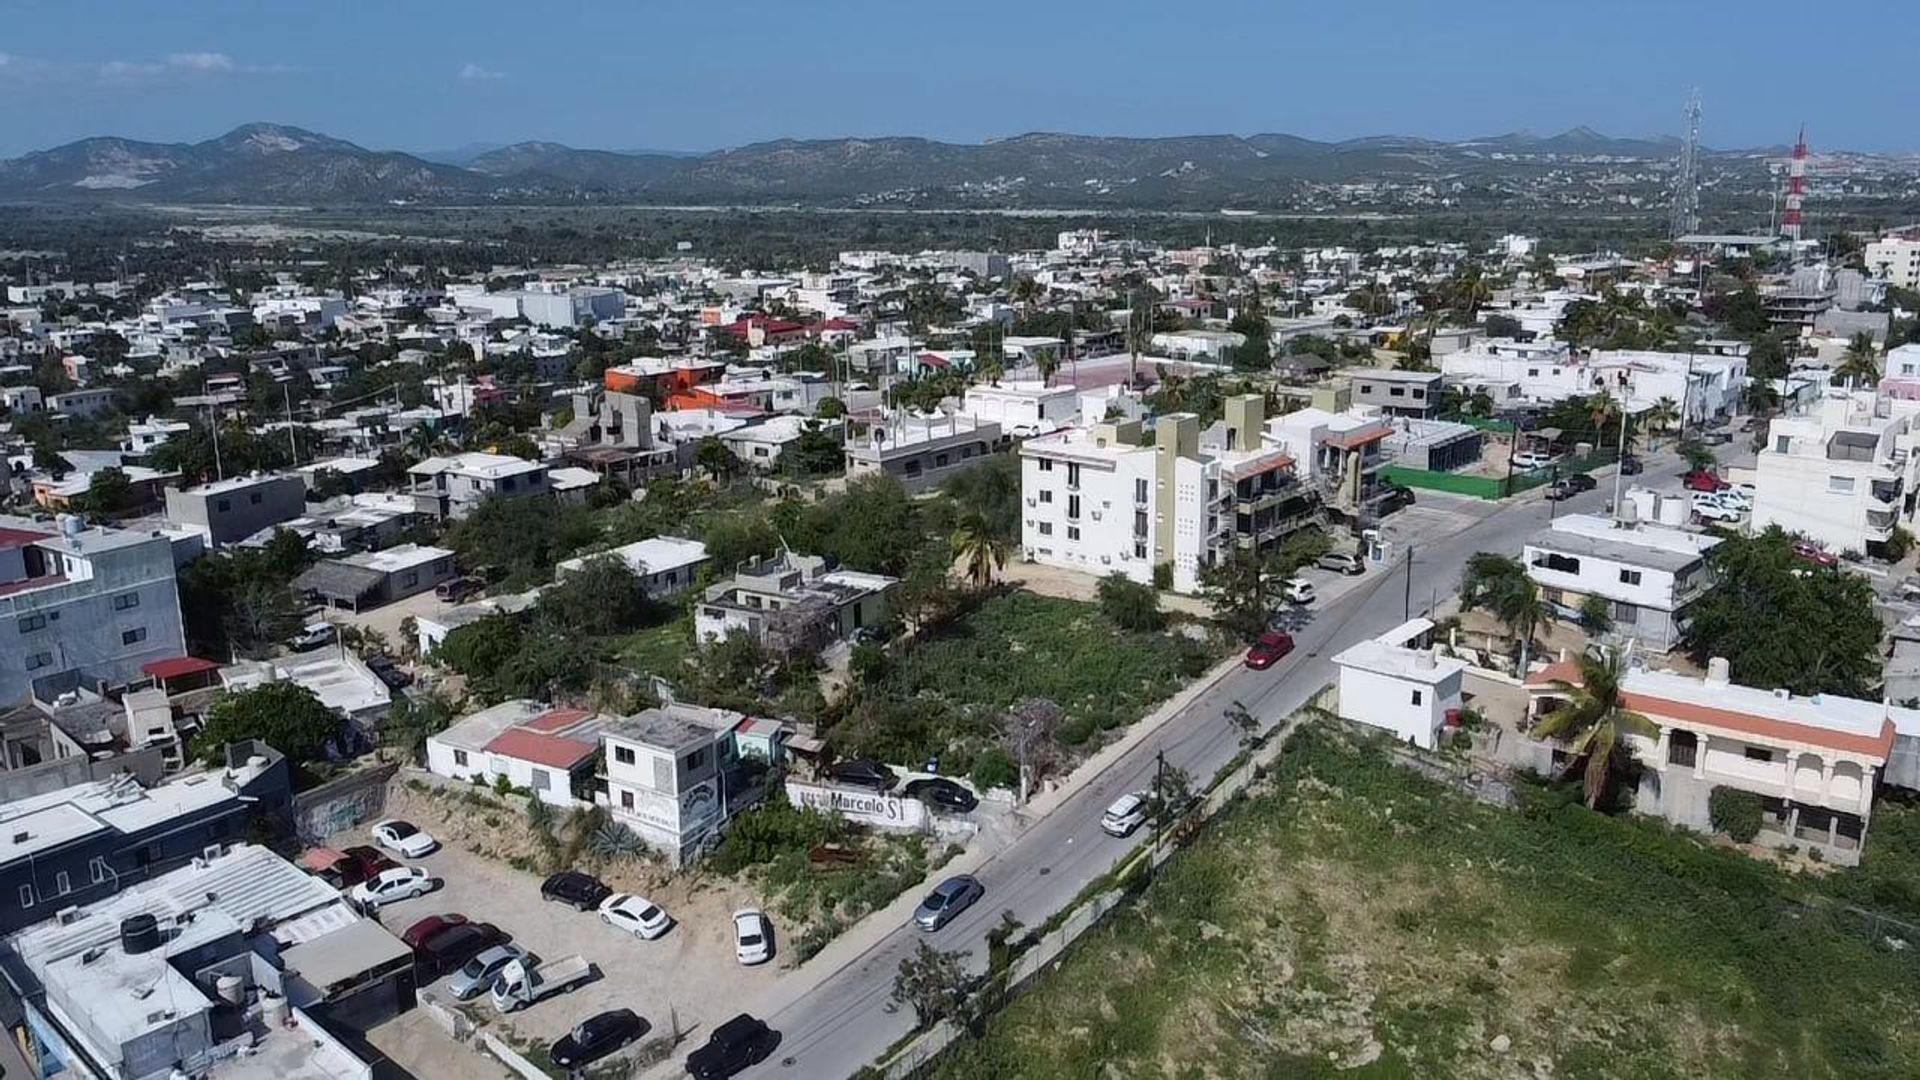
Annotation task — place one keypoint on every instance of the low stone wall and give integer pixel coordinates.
(341, 804)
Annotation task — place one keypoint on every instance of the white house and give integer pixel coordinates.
(666, 775)
(665, 564)
(1843, 474)
(1647, 574)
(450, 487)
(792, 602)
(1811, 760)
(546, 750)
(1397, 683)
(1024, 408)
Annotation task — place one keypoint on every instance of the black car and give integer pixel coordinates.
(867, 774)
(583, 891)
(450, 948)
(1580, 481)
(736, 1044)
(942, 793)
(385, 669)
(596, 1037)
(1630, 466)
(1562, 489)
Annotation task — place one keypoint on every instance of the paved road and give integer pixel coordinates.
(843, 1024)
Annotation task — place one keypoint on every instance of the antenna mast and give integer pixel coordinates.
(1686, 179)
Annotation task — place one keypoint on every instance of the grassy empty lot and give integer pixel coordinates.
(1352, 919)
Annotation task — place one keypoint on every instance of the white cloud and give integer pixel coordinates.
(201, 61)
(472, 72)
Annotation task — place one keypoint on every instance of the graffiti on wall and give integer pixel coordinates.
(341, 804)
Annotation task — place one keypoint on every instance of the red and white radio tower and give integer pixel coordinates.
(1796, 189)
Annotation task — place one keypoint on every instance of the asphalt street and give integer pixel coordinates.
(844, 1023)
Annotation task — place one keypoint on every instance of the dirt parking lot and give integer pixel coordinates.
(688, 976)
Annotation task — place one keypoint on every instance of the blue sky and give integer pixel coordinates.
(426, 75)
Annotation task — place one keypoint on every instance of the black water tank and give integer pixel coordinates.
(139, 934)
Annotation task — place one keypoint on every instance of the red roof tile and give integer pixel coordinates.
(552, 751)
(177, 666)
(556, 720)
(13, 538)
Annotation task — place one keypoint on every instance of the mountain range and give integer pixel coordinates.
(276, 164)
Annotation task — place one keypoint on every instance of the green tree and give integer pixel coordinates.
(602, 598)
(713, 458)
(1780, 623)
(284, 715)
(413, 720)
(979, 550)
(1593, 720)
(1698, 455)
(1500, 586)
(1860, 365)
(932, 983)
(521, 539)
(1660, 418)
(481, 646)
(1596, 615)
(992, 490)
(815, 453)
(1131, 605)
(830, 408)
(1767, 358)
(108, 492)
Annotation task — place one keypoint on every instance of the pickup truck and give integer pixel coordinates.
(519, 985)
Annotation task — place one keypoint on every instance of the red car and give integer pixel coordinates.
(1269, 649)
(419, 932)
(1705, 481)
(1814, 554)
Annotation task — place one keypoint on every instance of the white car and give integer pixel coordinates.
(405, 838)
(1708, 506)
(634, 914)
(312, 636)
(752, 936)
(1127, 813)
(392, 886)
(1297, 591)
(1532, 459)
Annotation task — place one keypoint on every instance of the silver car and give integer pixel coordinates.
(477, 974)
(948, 899)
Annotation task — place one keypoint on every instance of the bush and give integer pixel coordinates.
(1163, 576)
(1131, 605)
(994, 768)
(1736, 813)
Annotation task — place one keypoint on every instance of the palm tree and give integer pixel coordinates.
(1026, 291)
(1662, 416)
(1523, 609)
(422, 441)
(1046, 363)
(1592, 720)
(1859, 364)
(975, 544)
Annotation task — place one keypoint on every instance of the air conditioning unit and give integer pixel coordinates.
(1096, 515)
(210, 852)
(67, 916)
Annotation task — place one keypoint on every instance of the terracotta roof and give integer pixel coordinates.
(556, 720)
(13, 538)
(1878, 744)
(552, 751)
(177, 666)
(1359, 437)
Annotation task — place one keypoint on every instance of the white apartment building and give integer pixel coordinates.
(1897, 260)
(1542, 371)
(1647, 574)
(1398, 683)
(100, 602)
(144, 437)
(450, 487)
(1337, 449)
(1023, 409)
(1097, 501)
(666, 775)
(1704, 386)
(1843, 474)
(1812, 760)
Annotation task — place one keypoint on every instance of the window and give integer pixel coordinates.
(1840, 485)
(1139, 549)
(99, 868)
(623, 754)
(32, 622)
(1565, 564)
(409, 579)
(1073, 532)
(1396, 391)
(1625, 614)
(1416, 697)
(1629, 577)
(542, 780)
(1366, 388)
(62, 884)
(1140, 491)
(1419, 394)
(253, 498)
(939, 461)
(695, 760)
(1073, 474)
(460, 758)
(1046, 496)
(39, 660)
(134, 636)
(913, 467)
(626, 800)
(1046, 464)
(1073, 506)
(126, 601)
(1046, 528)
(26, 896)
(1758, 753)
(1139, 523)
(222, 506)
(1781, 443)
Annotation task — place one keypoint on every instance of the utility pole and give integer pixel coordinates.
(1407, 601)
(1159, 795)
(213, 414)
(293, 448)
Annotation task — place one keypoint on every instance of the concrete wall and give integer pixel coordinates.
(227, 516)
(341, 804)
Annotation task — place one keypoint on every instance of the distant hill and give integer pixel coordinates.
(269, 163)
